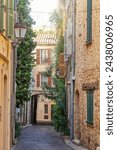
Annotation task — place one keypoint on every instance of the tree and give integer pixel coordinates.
(57, 93)
(25, 61)
(56, 19)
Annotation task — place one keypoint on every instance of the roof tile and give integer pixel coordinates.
(46, 39)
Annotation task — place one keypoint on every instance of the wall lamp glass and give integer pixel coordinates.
(20, 30)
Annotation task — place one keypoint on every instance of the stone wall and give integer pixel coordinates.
(87, 72)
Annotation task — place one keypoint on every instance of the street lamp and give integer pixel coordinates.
(20, 30)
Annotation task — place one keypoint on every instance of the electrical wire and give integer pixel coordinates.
(51, 12)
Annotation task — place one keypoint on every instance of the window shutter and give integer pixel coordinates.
(49, 81)
(38, 79)
(89, 21)
(62, 66)
(1, 15)
(62, 71)
(90, 107)
(38, 56)
(10, 15)
(61, 59)
(48, 56)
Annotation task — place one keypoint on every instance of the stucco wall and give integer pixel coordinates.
(5, 93)
(41, 100)
(40, 109)
(41, 67)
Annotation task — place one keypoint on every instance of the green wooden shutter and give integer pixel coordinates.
(1, 15)
(89, 21)
(90, 107)
(10, 15)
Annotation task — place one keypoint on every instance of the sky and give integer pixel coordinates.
(41, 11)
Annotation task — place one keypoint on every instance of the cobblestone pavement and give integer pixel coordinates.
(40, 138)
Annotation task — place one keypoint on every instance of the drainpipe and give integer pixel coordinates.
(73, 74)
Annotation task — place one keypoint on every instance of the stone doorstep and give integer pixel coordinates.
(76, 142)
(75, 146)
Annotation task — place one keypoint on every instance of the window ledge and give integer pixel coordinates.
(90, 125)
(88, 43)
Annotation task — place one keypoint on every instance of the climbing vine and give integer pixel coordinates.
(25, 61)
(57, 93)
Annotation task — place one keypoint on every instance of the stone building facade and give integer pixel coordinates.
(87, 74)
(43, 54)
(83, 54)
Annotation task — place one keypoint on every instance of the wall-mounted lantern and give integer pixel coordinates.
(20, 30)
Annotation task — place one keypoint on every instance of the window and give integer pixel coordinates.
(90, 107)
(46, 109)
(45, 116)
(44, 56)
(44, 80)
(89, 21)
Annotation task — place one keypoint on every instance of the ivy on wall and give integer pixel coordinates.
(57, 93)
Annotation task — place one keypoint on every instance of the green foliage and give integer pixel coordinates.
(18, 129)
(25, 61)
(24, 11)
(59, 48)
(44, 31)
(57, 93)
(56, 19)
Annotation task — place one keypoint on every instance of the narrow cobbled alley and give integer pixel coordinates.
(40, 138)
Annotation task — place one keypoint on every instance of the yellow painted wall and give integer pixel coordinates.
(4, 93)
